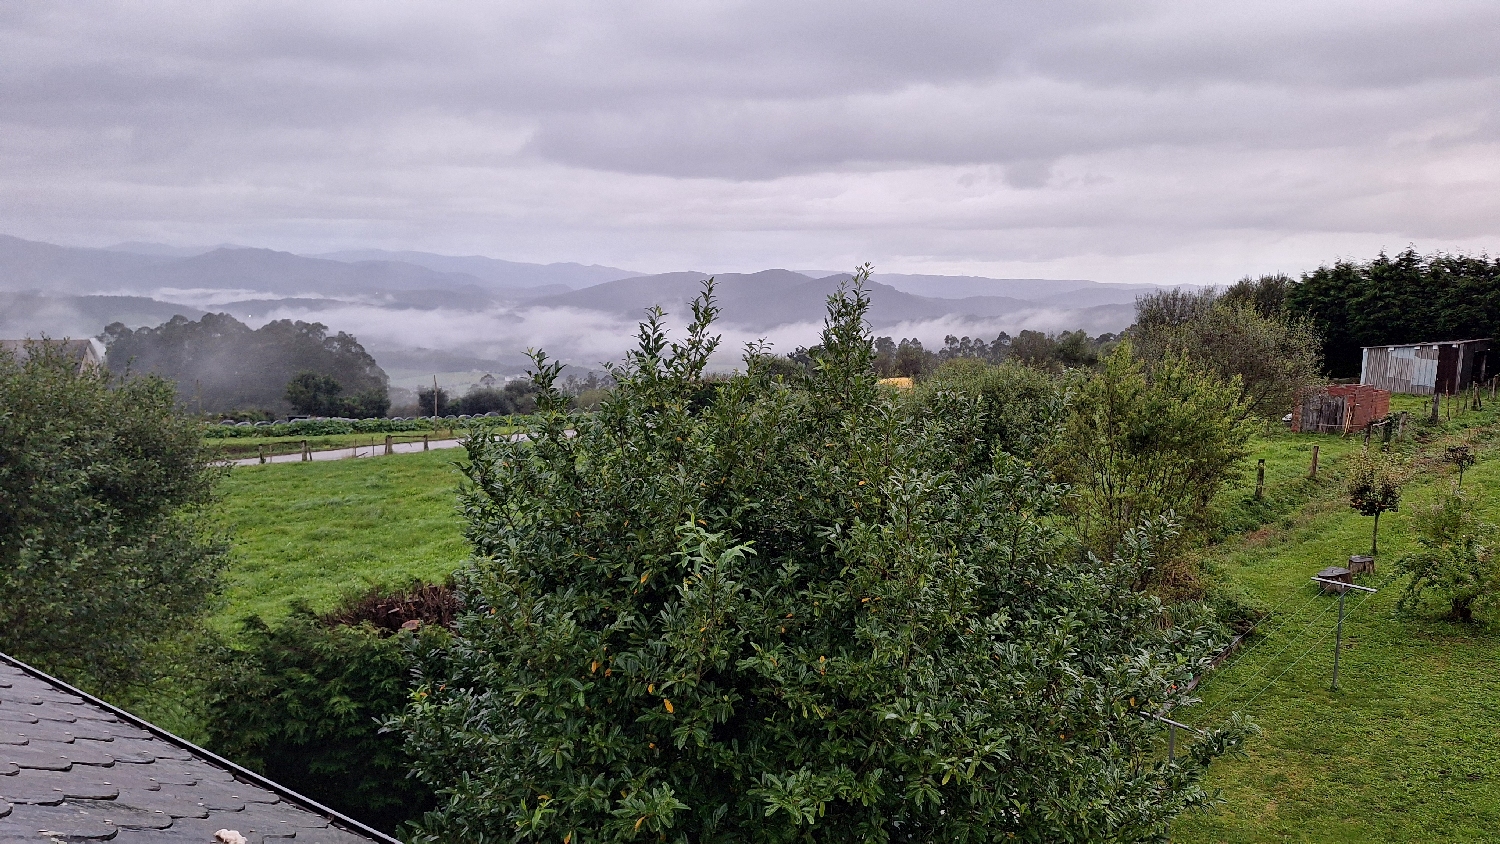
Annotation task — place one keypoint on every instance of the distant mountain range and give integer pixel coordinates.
(417, 310)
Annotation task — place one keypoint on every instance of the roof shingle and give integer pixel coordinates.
(73, 768)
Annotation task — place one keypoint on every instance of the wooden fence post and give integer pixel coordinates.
(306, 452)
(388, 444)
(1260, 479)
(1436, 397)
(424, 442)
(1313, 473)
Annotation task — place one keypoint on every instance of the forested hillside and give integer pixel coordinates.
(221, 365)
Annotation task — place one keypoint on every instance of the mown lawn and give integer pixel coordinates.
(318, 531)
(1408, 749)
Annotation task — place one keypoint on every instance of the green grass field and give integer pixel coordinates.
(318, 531)
(1408, 749)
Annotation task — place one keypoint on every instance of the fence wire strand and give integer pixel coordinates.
(1270, 661)
(1308, 650)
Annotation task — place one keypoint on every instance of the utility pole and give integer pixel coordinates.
(1338, 636)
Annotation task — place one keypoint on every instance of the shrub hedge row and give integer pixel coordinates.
(326, 427)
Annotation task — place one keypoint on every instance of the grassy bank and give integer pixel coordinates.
(1407, 749)
(317, 531)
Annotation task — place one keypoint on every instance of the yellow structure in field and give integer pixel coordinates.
(898, 383)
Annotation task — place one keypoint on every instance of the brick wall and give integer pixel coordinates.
(1363, 404)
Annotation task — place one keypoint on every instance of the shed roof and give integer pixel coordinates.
(74, 768)
(1430, 343)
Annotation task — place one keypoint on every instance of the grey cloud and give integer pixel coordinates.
(1073, 137)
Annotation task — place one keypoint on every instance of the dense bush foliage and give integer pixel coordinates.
(323, 395)
(1019, 408)
(331, 427)
(785, 608)
(1458, 558)
(303, 702)
(219, 364)
(1401, 298)
(1244, 333)
(103, 546)
(1139, 445)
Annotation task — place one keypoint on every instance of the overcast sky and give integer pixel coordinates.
(1171, 142)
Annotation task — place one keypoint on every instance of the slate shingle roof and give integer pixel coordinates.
(73, 768)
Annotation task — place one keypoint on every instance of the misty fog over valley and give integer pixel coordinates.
(419, 313)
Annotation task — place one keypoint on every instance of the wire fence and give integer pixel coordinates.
(1307, 636)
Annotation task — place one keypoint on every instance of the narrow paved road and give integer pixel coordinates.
(349, 452)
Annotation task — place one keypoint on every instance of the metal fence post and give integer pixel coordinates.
(1338, 636)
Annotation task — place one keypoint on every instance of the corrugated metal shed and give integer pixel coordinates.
(1422, 368)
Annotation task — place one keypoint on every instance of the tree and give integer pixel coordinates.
(425, 402)
(1240, 334)
(1034, 348)
(905, 360)
(515, 397)
(1373, 484)
(104, 545)
(1136, 445)
(758, 610)
(1401, 298)
(221, 365)
(1457, 557)
(314, 394)
(1463, 457)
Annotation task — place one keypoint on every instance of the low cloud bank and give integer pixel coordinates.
(588, 338)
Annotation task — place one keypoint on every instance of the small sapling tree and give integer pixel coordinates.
(1374, 485)
(1137, 445)
(1463, 457)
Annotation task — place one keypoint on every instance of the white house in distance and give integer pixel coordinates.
(89, 353)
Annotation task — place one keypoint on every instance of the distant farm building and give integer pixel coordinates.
(1424, 368)
(1340, 408)
(88, 354)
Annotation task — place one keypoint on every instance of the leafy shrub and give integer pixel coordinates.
(1458, 557)
(1136, 445)
(303, 702)
(1015, 408)
(104, 547)
(788, 610)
